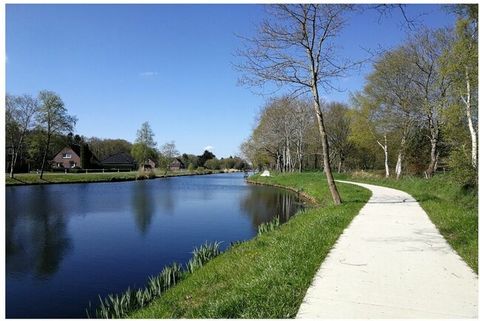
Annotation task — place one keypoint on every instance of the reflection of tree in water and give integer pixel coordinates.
(143, 206)
(262, 204)
(165, 196)
(36, 238)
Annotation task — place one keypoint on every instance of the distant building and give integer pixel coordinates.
(71, 157)
(150, 164)
(68, 157)
(176, 165)
(120, 160)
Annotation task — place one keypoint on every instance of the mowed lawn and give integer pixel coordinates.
(59, 178)
(266, 277)
(48, 178)
(453, 209)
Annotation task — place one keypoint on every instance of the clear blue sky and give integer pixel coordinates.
(116, 66)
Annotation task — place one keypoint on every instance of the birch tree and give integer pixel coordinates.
(53, 119)
(424, 52)
(391, 86)
(296, 46)
(19, 119)
(460, 64)
(144, 146)
(372, 115)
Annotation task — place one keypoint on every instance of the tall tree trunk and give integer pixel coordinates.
(47, 146)
(437, 156)
(471, 127)
(13, 161)
(385, 153)
(326, 153)
(398, 167)
(433, 158)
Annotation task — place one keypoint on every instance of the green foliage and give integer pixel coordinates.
(141, 153)
(463, 173)
(168, 152)
(191, 167)
(102, 148)
(144, 147)
(204, 157)
(213, 164)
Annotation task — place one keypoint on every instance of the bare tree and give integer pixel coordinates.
(168, 152)
(280, 133)
(53, 118)
(19, 119)
(424, 52)
(338, 125)
(296, 47)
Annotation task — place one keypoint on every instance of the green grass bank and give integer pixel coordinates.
(62, 178)
(268, 276)
(452, 208)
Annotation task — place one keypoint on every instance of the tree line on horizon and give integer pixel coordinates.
(37, 128)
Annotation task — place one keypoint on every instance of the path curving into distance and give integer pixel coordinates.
(391, 262)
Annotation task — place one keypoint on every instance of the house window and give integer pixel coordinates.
(67, 155)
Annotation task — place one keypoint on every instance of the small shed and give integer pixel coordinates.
(176, 165)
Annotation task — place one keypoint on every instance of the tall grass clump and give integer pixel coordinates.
(269, 226)
(145, 173)
(120, 305)
(203, 254)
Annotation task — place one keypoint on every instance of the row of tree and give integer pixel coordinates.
(419, 102)
(33, 125)
(39, 127)
(145, 148)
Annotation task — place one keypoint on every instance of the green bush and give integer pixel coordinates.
(463, 172)
(145, 174)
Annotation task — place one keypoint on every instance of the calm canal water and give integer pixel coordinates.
(67, 244)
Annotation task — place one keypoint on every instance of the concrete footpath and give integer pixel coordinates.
(391, 262)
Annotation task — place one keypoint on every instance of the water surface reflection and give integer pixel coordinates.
(67, 244)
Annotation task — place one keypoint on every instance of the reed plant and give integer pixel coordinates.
(269, 226)
(116, 306)
(202, 255)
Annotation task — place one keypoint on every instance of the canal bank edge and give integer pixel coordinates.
(301, 194)
(267, 276)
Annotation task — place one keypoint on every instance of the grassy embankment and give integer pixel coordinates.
(58, 178)
(266, 277)
(451, 208)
